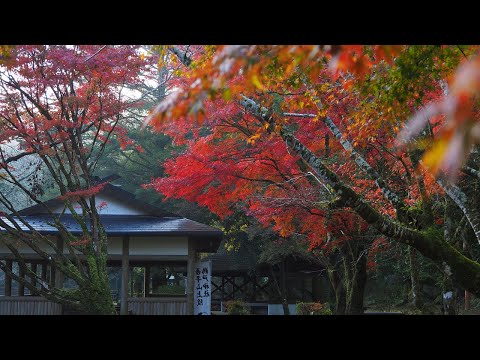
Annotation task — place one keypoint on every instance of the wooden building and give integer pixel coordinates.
(244, 275)
(144, 243)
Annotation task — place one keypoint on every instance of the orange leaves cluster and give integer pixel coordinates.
(83, 193)
(354, 59)
(82, 241)
(461, 128)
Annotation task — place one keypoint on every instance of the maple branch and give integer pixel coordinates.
(95, 54)
(471, 171)
(299, 115)
(398, 158)
(460, 199)
(134, 161)
(388, 193)
(461, 50)
(434, 247)
(374, 175)
(182, 56)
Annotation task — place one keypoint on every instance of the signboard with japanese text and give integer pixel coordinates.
(202, 288)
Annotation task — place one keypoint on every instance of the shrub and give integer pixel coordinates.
(313, 308)
(236, 307)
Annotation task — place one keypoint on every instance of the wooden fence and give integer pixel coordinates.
(157, 306)
(28, 305)
(35, 305)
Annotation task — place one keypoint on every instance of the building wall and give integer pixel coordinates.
(23, 249)
(150, 245)
(111, 207)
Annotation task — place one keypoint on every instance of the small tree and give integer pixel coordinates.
(59, 106)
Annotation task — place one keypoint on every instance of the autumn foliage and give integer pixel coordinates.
(327, 143)
(233, 160)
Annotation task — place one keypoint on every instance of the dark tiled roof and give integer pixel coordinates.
(243, 260)
(112, 191)
(246, 260)
(118, 225)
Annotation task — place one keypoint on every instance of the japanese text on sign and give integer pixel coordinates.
(202, 288)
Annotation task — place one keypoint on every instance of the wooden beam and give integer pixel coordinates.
(192, 255)
(59, 276)
(146, 281)
(8, 279)
(125, 267)
(215, 287)
(180, 259)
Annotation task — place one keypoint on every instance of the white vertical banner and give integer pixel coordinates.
(202, 298)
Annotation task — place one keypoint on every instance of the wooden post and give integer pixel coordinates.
(44, 271)
(59, 276)
(233, 287)
(190, 275)
(52, 274)
(8, 279)
(146, 281)
(223, 288)
(467, 300)
(132, 290)
(21, 287)
(125, 266)
(33, 279)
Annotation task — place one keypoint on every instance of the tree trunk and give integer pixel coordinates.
(340, 299)
(281, 289)
(467, 294)
(448, 295)
(283, 281)
(416, 297)
(336, 277)
(358, 282)
(355, 275)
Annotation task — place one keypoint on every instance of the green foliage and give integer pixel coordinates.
(433, 233)
(313, 308)
(389, 283)
(414, 72)
(274, 252)
(236, 307)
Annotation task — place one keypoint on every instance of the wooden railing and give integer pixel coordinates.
(28, 305)
(157, 306)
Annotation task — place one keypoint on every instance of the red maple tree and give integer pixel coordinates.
(59, 105)
(294, 133)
